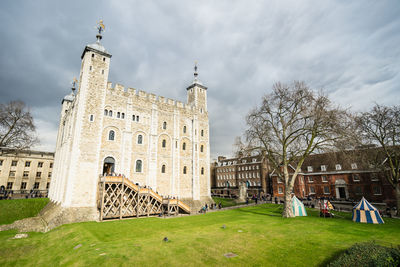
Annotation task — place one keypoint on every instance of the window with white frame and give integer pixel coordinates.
(377, 190)
(310, 179)
(326, 190)
(312, 190)
(354, 166)
(139, 165)
(309, 168)
(374, 176)
(356, 177)
(338, 167)
(324, 178)
(280, 190)
(323, 168)
(254, 160)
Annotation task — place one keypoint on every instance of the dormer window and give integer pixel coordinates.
(338, 167)
(244, 161)
(254, 160)
(309, 168)
(354, 166)
(323, 168)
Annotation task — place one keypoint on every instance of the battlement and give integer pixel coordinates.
(120, 90)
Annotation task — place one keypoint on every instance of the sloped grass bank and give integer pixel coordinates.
(17, 209)
(258, 235)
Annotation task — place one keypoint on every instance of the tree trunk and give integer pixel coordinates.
(397, 192)
(287, 210)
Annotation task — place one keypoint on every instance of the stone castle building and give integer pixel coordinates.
(153, 141)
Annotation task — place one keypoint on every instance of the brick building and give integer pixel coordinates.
(229, 173)
(341, 176)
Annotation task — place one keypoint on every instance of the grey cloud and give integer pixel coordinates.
(350, 49)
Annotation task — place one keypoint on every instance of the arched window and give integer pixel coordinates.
(118, 115)
(122, 115)
(164, 125)
(138, 165)
(133, 117)
(184, 169)
(202, 170)
(201, 148)
(163, 169)
(202, 133)
(111, 135)
(164, 143)
(105, 112)
(184, 129)
(184, 146)
(140, 139)
(110, 113)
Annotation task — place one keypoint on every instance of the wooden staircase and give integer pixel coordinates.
(120, 198)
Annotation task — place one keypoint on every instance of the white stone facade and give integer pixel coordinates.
(174, 148)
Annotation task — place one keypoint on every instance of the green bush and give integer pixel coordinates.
(368, 254)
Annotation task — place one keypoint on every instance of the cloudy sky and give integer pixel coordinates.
(351, 49)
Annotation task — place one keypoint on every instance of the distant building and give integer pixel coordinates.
(341, 176)
(229, 173)
(25, 170)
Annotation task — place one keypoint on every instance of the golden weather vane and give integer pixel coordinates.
(100, 26)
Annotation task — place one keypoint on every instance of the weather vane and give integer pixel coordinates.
(101, 28)
(74, 82)
(195, 69)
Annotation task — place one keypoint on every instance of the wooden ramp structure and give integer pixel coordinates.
(120, 198)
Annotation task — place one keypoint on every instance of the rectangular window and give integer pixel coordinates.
(323, 168)
(40, 164)
(36, 185)
(310, 179)
(280, 190)
(49, 176)
(354, 166)
(38, 174)
(12, 174)
(358, 190)
(9, 185)
(377, 190)
(324, 178)
(26, 174)
(326, 190)
(47, 185)
(374, 177)
(23, 185)
(51, 164)
(91, 117)
(14, 163)
(27, 163)
(356, 177)
(338, 167)
(1, 162)
(309, 168)
(312, 190)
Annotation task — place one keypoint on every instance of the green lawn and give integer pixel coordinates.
(257, 234)
(227, 202)
(17, 209)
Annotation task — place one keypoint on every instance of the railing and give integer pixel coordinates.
(119, 198)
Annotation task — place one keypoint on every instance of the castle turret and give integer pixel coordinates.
(78, 170)
(197, 93)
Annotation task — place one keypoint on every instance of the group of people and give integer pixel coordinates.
(213, 206)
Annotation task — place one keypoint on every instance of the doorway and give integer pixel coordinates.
(108, 167)
(342, 192)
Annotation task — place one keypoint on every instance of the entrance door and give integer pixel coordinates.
(108, 167)
(342, 192)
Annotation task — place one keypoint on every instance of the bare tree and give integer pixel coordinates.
(291, 123)
(17, 129)
(381, 126)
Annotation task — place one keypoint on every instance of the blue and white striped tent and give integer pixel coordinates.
(298, 207)
(364, 212)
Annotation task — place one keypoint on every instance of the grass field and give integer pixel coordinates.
(17, 209)
(227, 202)
(257, 234)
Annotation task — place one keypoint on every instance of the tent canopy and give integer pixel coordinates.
(364, 212)
(298, 207)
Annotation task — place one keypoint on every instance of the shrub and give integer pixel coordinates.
(368, 254)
